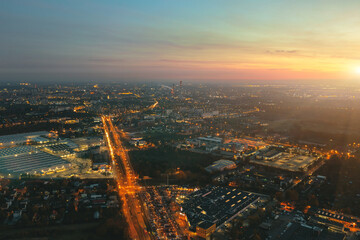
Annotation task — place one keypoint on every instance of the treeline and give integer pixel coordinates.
(181, 167)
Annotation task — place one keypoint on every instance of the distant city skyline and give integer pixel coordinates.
(179, 40)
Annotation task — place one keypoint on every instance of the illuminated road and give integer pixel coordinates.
(153, 106)
(145, 213)
(126, 182)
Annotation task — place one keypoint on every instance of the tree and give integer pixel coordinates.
(313, 201)
(279, 196)
(254, 219)
(257, 237)
(292, 195)
(235, 231)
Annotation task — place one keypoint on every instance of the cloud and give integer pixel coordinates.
(106, 60)
(280, 51)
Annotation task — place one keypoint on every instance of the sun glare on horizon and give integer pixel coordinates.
(357, 70)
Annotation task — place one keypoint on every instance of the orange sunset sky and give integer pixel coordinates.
(178, 39)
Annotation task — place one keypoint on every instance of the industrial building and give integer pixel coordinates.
(221, 165)
(209, 143)
(275, 158)
(63, 148)
(333, 220)
(210, 139)
(299, 231)
(204, 229)
(23, 138)
(216, 205)
(85, 143)
(26, 159)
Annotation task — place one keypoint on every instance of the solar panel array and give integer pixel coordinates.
(25, 159)
(16, 150)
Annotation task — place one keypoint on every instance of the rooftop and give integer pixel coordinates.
(297, 231)
(205, 224)
(26, 159)
(20, 137)
(216, 204)
(287, 161)
(219, 165)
